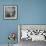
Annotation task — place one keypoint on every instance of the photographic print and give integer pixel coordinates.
(10, 12)
(33, 32)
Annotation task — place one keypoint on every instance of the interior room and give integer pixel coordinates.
(28, 12)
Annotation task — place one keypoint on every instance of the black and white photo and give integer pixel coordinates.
(10, 12)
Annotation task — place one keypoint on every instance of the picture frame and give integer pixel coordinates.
(10, 12)
(33, 31)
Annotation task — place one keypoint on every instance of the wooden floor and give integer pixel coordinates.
(30, 43)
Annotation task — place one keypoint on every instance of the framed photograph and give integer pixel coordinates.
(32, 32)
(10, 12)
